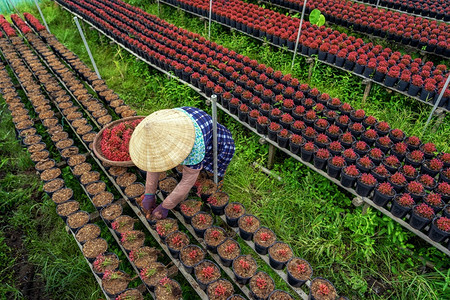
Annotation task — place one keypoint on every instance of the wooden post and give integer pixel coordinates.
(271, 157)
(368, 84)
(310, 61)
(364, 209)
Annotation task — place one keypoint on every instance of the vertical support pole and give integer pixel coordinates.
(368, 84)
(214, 119)
(271, 158)
(364, 209)
(159, 8)
(210, 16)
(310, 61)
(298, 34)
(378, 3)
(437, 103)
(42, 16)
(87, 47)
(441, 116)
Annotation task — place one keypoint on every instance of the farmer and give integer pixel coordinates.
(170, 137)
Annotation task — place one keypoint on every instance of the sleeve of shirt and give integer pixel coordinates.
(182, 189)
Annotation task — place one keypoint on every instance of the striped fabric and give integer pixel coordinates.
(225, 142)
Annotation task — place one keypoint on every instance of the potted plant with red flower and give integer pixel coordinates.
(320, 158)
(206, 272)
(335, 165)
(416, 190)
(421, 215)
(350, 156)
(401, 205)
(392, 163)
(434, 200)
(286, 120)
(322, 289)
(415, 158)
(248, 224)
(307, 151)
(261, 285)
(342, 122)
(253, 117)
(309, 134)
(429, 150)
(444, 189)
(380, 173)
(321, 140)
(413, 143)
(432, 167)
(283, 138)
(384, 143)
(440, 229)
(365, 184)
(320, 125)
(356, 129)
(349, 175)
(360, 147)
(415, 85)
(384, 193)
(444, 175)
(279, 254)
(399, 150)
(243, 112)
(295, 142)
(376, 155)
(365, 164)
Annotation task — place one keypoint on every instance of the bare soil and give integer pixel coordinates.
(87, 232)
(265, 292)
(50, 174)
(44, 165)
(221, 249)
(82, 168)
(62, 195)
(136, 243)
(69, 151)
(168, 184)
(126, 179)
(76, 160)
(118, 285)
(95, 247)
(245, 272)
(172, 293)
(191, 261)
(54, 185)
(36, 147)
(292, 267)
(96, 187)
(64, 143)
(89, 177)
(112, 211)
(39, 156)
(77, 219)
(315, 288)
(197, 222)
(132, 294)
(224, 283)
(135, 190)
(65, 209)
(281, 295)
(117, 171)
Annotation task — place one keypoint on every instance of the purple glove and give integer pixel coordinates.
(149, 202)
(160, 212)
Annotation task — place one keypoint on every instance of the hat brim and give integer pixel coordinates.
(162, 140)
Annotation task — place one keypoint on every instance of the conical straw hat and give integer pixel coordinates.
(162, 140)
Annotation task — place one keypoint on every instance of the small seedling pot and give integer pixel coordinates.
(294, 281)
(437, 234)
(416, 221)
(398, 210)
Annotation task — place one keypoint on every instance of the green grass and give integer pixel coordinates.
(315, 217)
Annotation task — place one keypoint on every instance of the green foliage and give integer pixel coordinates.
(316, 17)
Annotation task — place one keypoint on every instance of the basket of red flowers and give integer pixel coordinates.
(111, 142)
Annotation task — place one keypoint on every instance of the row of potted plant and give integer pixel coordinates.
(410, 30)
(388, 142)
(352, 54)
(86, 233)
(426, 8)
(405, 79)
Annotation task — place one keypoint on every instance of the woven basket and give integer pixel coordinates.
(97, 149)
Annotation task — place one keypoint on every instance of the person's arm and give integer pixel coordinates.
(182, 189)
(151, 182)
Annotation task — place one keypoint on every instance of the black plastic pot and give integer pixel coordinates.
(243, 116)
(320, 163)
(277, 265)
(294, 281)
(261, 128)
(413, 90)
(382, 199)
(307, 155)
(437, 234)
(283, 142)
(190, 269)
(426, 170)
(272, 135)
(294, 148)
(398, 210)
(239, 279)
(245, 234)
(332, 170)
(363, 189)
(416, 221)
(262, 249)
(348, 181)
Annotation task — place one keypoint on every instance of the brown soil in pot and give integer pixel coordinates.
(160, 273)
(280, 252)
(144, 256)
(215, 236)
(177, 240)
(264, 292)
(101, 88)
(36, 147)
(123, 223)
(89, 137)
(112, 211)
(56, 137)
(82, 168)
(76, 160)
(168, 184)
(44, 165)
(170, 291)
(223, 248)
(243, 224)
(74, 116)
(29, 131)
(95, 247)
(111, 97)
(107, 261)
(21, 118)
(24, 124)
(121, 109)
(50, 174)
(117, 171)
(165, 227)
(211, 290)
(315, 284)
(55, 129)
(64, 143)
(116, 103)
(62, 195)
(89, 177)
(77, 219)
(104, 120)
(190, 207)
(135, 190)
(62, 98)
(199, 224)
(245, 272)
(218, 198)
(69, 151)
(134, 239)
(199, 275)
(96, 187)
(67, 208)
(102, 199)
(267, 241)
(133, 294)
(71, 110)
(46, 114)
(50, 122)
(32, 139)
(17, 112)
(296, 272)
(189, 260)
(117, 285)
(207, 187)
(126, 179)
(128, 113)
(54, 185)
(42, 108)
(281, 295)
(65, 105)
(84, 129)
(95, 106)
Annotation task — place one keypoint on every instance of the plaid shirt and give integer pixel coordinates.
(225, 142)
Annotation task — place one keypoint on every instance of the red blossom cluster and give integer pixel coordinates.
(115, 141)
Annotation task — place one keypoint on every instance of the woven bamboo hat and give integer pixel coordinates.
(162, 140)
